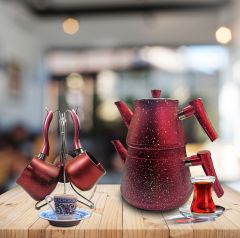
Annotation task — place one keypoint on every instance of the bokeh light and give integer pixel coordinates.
(71, 26)
(223, 35)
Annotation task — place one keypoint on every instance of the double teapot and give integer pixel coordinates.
(156, 173)
(40, 178)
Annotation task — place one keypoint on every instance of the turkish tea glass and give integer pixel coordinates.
(202, 198)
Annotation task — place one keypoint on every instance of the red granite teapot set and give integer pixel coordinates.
(156, 173)
(40, 178)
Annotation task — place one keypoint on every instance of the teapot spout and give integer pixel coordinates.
(121, 150)
(125, 112)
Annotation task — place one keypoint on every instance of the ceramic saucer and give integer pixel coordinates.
(53, 220)
(186, 212)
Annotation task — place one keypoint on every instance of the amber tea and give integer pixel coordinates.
(202, 198)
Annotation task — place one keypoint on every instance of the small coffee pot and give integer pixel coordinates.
(156, 172)
(40, 178)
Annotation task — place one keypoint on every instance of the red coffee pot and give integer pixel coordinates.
(39, 178)
(156, 172)
(84, 170)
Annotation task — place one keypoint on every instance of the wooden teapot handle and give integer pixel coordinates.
(197, 109)
(204, 159)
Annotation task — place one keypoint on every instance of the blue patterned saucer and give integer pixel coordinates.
(53, 220)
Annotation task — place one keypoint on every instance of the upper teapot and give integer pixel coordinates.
(156, 123)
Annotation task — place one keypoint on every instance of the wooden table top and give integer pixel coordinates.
(112, 217)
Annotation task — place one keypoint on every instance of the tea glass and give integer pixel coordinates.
(202, 198)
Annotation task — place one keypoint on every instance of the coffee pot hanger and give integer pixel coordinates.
(64, 158)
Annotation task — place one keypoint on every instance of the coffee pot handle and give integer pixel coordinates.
(76, 124)
(197, 109)
(45, 147)
(204, 159)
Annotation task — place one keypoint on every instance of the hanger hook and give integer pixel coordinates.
(68, 110)
(56, 111)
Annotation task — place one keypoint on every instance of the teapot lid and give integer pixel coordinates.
(156, 93)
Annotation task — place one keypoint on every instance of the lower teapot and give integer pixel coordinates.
(160, 179)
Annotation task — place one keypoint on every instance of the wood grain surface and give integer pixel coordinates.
(114, 218)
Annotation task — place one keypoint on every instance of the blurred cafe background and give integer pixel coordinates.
(86, 54)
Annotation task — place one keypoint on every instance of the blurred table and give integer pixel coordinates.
(113, 218)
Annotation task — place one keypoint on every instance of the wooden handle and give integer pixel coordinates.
(46, 124)
(76, 124)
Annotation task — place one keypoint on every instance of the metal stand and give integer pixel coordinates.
(63, 156)
(62, 123)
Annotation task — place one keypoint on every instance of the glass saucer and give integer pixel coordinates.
(53, 220)
(186, 212)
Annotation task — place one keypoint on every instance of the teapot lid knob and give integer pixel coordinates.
(156, 93)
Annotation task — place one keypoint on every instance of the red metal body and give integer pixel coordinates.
(83, 170)
(156, 174)
(40, 178)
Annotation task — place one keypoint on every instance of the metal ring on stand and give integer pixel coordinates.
(91, 204)
(39, 207)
